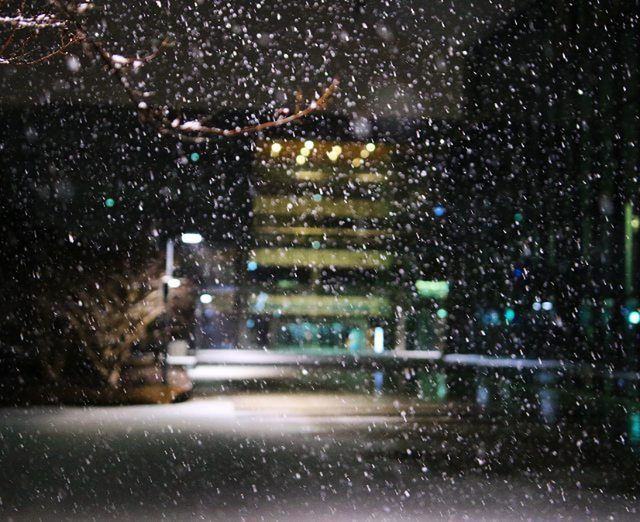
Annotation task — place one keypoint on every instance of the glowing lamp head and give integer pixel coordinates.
(174, 282)
(206, 298)
(191, 238)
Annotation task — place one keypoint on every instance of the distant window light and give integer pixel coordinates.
(547, 305)
(378, 339)
(174, 282)
(537, 306)
(191, 238)
(370, 147)
(434, 289)
(439, 211)
(308, 145)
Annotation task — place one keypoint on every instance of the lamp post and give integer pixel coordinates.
(168, 276)
(169, 282)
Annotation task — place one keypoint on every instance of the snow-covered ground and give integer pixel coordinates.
(299, 456)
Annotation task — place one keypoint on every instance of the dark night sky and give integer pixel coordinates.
(396, 58)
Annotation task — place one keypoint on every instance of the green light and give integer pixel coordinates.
(634, 317)
(109, 202)
(195, 156)
(634, 427)
(442, 313)
(518, 217)
(434, 289)
(509, 314)
(441, 390)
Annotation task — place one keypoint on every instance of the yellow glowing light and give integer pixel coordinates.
(305, 152)
(356, 162)
(370, 147)
(364, 153)
(300, 160)
(334, 153)
(276, 148)
(308, 145)
(635, 223)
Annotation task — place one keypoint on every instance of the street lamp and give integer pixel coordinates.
(191, 238)
(168, 281)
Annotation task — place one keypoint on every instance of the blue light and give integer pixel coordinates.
(518, 273)
(491, 318)
(195, 156)
(378, 381)
(439, 211)
(251, 266)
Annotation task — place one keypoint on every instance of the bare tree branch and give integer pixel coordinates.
(41, 21)
(21, 46)
(195, 127)
(67, 20)
(21, 60)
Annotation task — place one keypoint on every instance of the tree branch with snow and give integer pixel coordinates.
(21, 32)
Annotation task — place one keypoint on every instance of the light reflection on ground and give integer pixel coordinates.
(297, 456)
